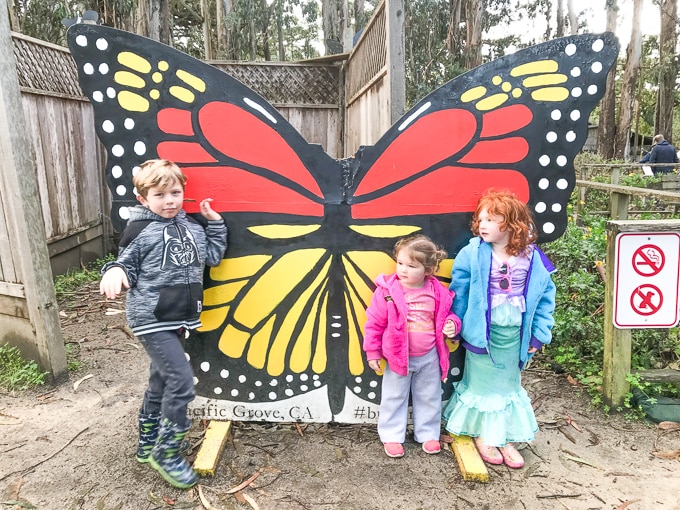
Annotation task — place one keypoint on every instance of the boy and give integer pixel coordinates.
(161, 259)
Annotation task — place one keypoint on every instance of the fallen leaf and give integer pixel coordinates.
(79, 381)
(168, 500)
(668, 455)
(204, 501)
(626, 504)
(582, 461)
(246, 483)
(571, 380)
(250, 501)
(113, 311)
(668, 425)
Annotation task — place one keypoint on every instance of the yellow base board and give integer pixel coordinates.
(470, 463)
(213, 443)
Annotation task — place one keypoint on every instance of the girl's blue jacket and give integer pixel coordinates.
(472, 302)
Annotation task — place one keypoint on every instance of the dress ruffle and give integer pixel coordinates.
(497, 419)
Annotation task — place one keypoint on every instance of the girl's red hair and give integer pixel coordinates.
(516, 218)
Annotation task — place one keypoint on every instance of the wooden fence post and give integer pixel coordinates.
(617, 342)
(41, 333)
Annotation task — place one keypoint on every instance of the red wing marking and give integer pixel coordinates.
(505, 120)
(444, 191)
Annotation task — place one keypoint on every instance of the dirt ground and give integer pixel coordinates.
(71, 446)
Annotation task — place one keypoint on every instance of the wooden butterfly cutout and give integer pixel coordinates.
(283, 314)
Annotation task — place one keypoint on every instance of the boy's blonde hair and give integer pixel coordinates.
(159, 173)
(422, 249)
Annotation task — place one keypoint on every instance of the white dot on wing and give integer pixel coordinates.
(592, 89)
(555, 115)
(570, 49)
(121, 190)
(117, 150)
(234, 393)
(598, 45)
(543, 183)
(205, 366)
(272, 395)
(195, 381)
(139, 148)
(124, 213)
(88, 68)
(289, 392)
(596, 67)
(544, 160)
(576, 92)
(241, 379)
(371, 395)
(102, 44)
(108, 126)
(548, 228)
(304, 387)
(561, 160)
(575, 115)
(356, 389)
(562, 184)
(551, 136)
(116, 171)
(103, 68)
(570, 136)
(540, 207)
(81, 41)
(129, 123)
(556, 207)
(97, 96)
(217, 391)
(224, 373)
(575, 72)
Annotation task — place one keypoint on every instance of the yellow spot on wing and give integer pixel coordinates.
(544, 79)
(182, 94)
(191, 80)
(298, 312)
(473, 94)
(371, 263)
(445, 267)
(222, 294)
(384, 231)
(320, 358)
(213, 319)
(539, 66)
(238, 267)
(491, 102)
(259, 344)
(233, 341)
(272, 288)
(157, 77)
(134, 61)
(283, 231)
(132, 102)
(163, 65)
(128, 79)
(154, 94)
(550, 94)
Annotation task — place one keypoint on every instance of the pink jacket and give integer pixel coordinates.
(385, 333)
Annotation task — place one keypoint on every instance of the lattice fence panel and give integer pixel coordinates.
(291, 84)
(49, 69)
(45, 67)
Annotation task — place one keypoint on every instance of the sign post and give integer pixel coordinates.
(641, 291)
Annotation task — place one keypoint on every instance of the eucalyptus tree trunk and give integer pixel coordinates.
(606, 131)
(630, 75)
(560, 19)
(454, 41)
(573, 18)
(668, 69)
(207, 30)
(473, 43)
(279, 30)
(330, 24)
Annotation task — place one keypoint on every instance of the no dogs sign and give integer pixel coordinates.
(647, 280)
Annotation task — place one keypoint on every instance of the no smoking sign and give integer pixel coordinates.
(647, 284)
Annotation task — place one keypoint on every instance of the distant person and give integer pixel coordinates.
(662, 152)
(162, 257)
(406, 322)
(505, 296)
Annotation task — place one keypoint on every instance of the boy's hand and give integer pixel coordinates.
(449, 329)
(113, 282)
(206, 211)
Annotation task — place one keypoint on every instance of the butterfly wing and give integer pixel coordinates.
(516, 122)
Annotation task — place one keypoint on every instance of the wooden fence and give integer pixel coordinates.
(375, 94)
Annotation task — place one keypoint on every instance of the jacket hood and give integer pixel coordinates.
(385, 281)
(141, 213)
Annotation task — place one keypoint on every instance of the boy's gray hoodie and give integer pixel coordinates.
(164, 260)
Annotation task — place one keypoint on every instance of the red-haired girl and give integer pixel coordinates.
(505, 296)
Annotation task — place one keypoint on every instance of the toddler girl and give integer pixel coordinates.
(406, 322)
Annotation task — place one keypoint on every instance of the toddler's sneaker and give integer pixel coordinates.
(432, 446)
(394, 450)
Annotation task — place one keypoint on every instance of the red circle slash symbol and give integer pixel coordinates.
(646, 299)
(648, 260)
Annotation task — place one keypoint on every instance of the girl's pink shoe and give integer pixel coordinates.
(488, 454)
(394, 450)
(511, 456)
(432, 446)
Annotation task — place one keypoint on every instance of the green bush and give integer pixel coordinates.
(16, 373)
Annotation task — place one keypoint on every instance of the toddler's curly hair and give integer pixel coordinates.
(423, 249)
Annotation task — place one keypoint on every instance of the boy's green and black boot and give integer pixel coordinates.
(166, 457)
(148, 434)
